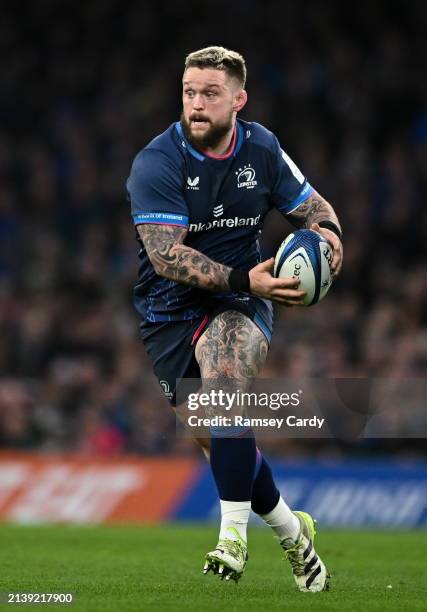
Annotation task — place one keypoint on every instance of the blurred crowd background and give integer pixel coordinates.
(84, 87)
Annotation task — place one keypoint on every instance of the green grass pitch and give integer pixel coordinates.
(123, 569)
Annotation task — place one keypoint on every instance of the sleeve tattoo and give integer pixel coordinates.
(180, 263)
(313, 210)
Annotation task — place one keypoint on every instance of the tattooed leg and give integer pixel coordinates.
(230, 354)
(232, 348)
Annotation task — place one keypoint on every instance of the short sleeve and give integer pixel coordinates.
(291, 186)
(155, 190)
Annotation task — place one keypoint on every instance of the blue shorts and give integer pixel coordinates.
(171, 345)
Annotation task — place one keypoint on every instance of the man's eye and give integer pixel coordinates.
(210, 94)
(189, 92)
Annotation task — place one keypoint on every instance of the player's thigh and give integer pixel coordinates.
(232, 347)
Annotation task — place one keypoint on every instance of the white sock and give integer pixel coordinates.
(234, 514)
(282, 521)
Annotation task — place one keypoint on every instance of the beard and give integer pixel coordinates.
(212, 137)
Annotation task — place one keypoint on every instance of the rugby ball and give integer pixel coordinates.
(306, 255)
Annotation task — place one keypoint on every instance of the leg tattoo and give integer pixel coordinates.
(233, 348)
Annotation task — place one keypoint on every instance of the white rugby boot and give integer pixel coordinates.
(229, 557)
(310, 573)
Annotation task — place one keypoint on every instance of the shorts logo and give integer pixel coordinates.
(246, 177)
(166, 389)
(218, 210)
(193, 183)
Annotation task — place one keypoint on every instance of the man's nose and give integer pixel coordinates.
(198, 102)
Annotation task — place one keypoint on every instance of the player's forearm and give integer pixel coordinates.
(190, 267)
(180, 263)
(313, 210)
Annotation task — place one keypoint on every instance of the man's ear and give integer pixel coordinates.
(240, 100)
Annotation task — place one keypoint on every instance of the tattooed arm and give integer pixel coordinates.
(313, 210)
(178, 262)
(309, 214)
(174, 260)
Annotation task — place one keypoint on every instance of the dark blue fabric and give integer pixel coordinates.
(169, 344)
(221, 202)
(265, 494)
(233, 466)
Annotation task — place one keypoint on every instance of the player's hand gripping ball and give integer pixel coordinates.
(307, 256)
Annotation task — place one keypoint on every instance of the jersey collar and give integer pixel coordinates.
(235, 148)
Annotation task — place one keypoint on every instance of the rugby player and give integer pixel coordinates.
(199, 194)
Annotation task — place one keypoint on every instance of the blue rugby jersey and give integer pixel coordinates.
(222, 202)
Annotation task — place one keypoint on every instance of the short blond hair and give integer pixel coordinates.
(219, 58)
